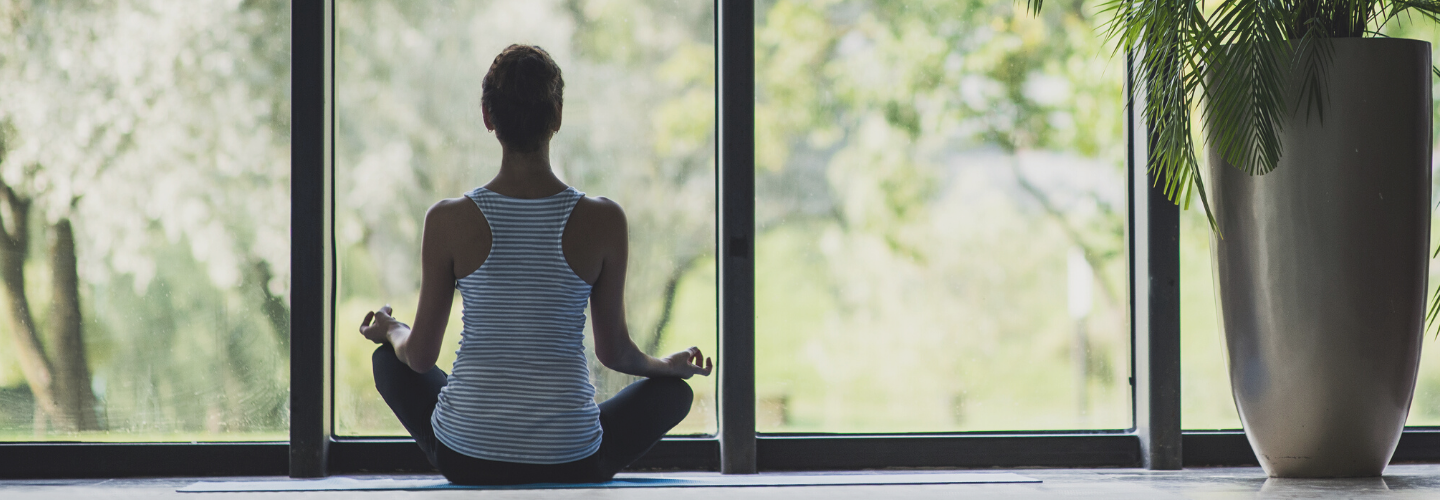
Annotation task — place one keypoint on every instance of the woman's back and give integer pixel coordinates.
(526, 252)
(520, 387)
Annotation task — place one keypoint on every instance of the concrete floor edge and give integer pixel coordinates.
(1399, 481)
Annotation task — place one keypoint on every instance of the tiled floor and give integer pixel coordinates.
(1400, 481)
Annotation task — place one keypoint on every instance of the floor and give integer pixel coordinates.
(1400, 481)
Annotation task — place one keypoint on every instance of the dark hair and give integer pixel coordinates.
(523, 92)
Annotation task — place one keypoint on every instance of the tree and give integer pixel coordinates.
(890, 142)
(136, 127)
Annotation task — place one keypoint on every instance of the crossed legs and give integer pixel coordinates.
(632, 422)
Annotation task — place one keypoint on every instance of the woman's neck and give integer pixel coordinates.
(526, 175)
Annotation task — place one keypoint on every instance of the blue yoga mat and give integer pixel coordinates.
(626, 481)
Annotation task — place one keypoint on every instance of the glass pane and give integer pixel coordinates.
(1207, 402)
(1425, 407)
(638, 128)
(1205, 399)
(940, 210)
(144, 157)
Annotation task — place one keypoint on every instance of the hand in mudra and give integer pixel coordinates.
(377, 325)
(689, 362)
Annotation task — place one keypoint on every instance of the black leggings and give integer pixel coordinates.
(633, 421)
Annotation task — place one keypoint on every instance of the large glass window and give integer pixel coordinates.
(639, 128)
(940, 208)
(144, 220)
(940, 218)
(1205, 398)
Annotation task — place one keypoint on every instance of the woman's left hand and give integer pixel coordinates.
(688, 362)
(378, 324)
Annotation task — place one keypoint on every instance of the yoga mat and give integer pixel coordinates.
(627, 481)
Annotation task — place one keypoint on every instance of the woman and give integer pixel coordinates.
(527, 252)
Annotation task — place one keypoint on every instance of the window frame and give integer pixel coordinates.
(312, 240)
(1156, 441)
(738, 447)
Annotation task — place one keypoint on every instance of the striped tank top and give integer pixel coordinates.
(520, 388)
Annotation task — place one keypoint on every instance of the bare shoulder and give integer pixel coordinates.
(452, 211)
(454, 231)
(600, 212)
(452, 205)
(594, 235)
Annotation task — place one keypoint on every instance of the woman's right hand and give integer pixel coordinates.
(687, 363)
(377, 325)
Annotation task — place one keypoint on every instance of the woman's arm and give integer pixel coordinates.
(613, 345)
(419, 346)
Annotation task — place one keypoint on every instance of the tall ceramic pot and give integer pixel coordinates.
(1321, 268)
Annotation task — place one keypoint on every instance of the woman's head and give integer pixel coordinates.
(523, 93)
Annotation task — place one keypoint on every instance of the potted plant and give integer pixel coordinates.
(1318, 135)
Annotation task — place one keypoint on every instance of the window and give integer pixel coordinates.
(940, 219)
(1205, 381)
(639, 128)
(144, 157)
(1005, 134)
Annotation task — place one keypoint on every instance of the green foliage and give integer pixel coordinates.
(873, 265)
(909, 250)
(895, 291)
(1239, 58)
(639, 128)
(161, 130)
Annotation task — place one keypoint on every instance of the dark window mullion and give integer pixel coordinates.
(1154, 231)
(735, 151)
(311, 214)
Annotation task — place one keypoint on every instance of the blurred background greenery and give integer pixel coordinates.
(639, 128)
(144, 202)
(941, 214)
(940, 206)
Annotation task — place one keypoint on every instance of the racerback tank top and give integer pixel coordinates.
(520, 390)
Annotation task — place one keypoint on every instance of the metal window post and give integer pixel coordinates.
(311, 245)
(735, 104)
(1154, 295)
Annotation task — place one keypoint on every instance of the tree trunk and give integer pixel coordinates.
(667, 308)
(257, 277)
(67, 342)
(28, 350)
(14, 246)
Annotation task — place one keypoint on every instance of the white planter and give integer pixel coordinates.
(1321, 273)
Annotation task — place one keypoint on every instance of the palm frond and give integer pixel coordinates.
(1241, 60)
(1430, 9)
(1248, 63)
(1314, 51)
(1033, 6)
